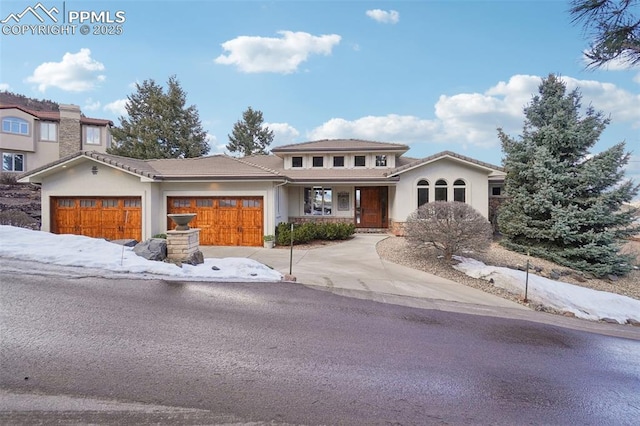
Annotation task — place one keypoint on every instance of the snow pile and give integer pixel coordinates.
(583, 302)
(76, 250)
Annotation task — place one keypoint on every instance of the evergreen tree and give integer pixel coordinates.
(248, 136)
(159, 125)
(614, 29)
(565, 204)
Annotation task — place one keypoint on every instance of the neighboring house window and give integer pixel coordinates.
(381, 161)
(338, 161)
(92, 135)
(15, 125)
(318, 201)
(459, 191)
(496, 190)
(423, 192)
(12, 162)
(441, 190)
(48, 131)
(296, 161)
(359, 161)
(318, 161)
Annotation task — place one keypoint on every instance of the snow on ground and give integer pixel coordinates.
(76, 250)
(583, 302)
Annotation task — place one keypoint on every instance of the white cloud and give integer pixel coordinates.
(278, 55)
(636, 78)
(384, 16)
(77, 72)
(117, 108)
(283, 133)
(621, 63)
(215, 146)
(4, 86)
(466, 119)
(90, 105)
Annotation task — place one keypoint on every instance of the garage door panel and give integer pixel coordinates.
(227, 221)
(110, 217)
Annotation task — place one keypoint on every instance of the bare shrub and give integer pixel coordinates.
(451, 227)
(8, 178)
(18, 218)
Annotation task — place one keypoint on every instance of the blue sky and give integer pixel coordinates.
(436, 75)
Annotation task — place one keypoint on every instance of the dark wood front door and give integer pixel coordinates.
(371, 207)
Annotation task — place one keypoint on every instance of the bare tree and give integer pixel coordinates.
(449, 226)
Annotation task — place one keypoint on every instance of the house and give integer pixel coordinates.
(238, 200)
(30, 139)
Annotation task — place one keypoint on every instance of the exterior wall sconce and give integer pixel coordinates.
(94, 170)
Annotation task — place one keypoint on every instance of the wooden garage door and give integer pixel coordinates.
(98, 217)
(223, 221)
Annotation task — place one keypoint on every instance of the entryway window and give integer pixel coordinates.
(318, 201)
(441, 190)
(423, 192)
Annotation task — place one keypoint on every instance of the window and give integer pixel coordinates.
(109, 202)
(459, 191)
(132, 203)
(441, 190)
(496, 190)
(359, 161)
(92, 135)
(296, 161)
(338, 161)
(87, 203)
(66, 202)
(227, 203)
(48, 131)
(181, 202)
(318, 161)
(423, 192)
(250, 203)
(12, 162)
(204, 202)
(318, 201)
(15, 125)
(381, 161)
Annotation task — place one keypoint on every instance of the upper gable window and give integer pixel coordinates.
(92, 135)
(381, 161)
(459, 191)
(338, 161)
(359, 161)
(441, 190)
(296, 161)
(423, 192)
(48, 131)
(318, 161)
(15, 125)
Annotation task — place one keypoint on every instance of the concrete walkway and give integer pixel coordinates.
(354, 268)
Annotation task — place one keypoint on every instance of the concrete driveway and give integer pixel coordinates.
(354, 268)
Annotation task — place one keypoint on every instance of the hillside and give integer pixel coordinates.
(19, 204)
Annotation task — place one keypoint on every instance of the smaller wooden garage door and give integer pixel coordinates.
(223, 221)
(98, 217)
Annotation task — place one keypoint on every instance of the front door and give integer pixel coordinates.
(371, 207)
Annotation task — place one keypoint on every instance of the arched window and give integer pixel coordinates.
(441, 190)
(423, 192)
(459, 191)
(15, 125)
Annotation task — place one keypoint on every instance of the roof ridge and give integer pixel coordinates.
(443, 154)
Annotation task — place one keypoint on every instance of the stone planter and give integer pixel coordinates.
(181, 220)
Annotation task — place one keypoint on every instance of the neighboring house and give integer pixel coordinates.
(238, 200)
(30, 139)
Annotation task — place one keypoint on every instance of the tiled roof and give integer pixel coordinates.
(55, 116)
(333, 145)
(425, 160)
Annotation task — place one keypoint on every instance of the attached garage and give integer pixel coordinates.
(111, 218)
(223, 221)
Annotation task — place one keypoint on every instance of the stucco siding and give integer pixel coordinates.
(80, 181)
(405, 199)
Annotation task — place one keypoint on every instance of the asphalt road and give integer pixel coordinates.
(94, 350)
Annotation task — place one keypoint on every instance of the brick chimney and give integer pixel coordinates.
(70, 132)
